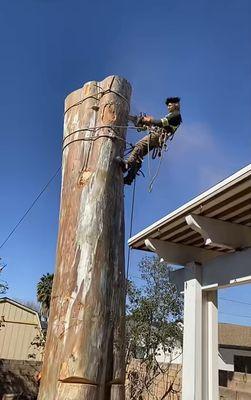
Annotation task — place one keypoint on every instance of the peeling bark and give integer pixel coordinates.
(84, 354)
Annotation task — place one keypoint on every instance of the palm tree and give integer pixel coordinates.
(44, 288)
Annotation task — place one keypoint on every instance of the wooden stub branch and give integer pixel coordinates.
(84, 355)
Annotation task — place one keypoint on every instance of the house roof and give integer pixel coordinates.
(231, 335)
(229, 200)
(16, 303)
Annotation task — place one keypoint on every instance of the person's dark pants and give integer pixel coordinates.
(142, 147)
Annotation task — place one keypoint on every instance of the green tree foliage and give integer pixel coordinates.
(154, 314)
(3, 284)
(44, 288)
(3, 287)
(153, 325)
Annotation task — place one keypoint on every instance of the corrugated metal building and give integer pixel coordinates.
(19, 325)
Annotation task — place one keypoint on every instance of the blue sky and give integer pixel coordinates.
(198, 50)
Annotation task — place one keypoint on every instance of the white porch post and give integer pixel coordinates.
(192, 342)
(223, 260)
(210, 380)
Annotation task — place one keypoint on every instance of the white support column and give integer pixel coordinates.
(210, 380)
(192, 342)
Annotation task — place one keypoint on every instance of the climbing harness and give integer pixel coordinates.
(162, 134)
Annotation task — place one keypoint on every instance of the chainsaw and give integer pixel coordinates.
(137, 121)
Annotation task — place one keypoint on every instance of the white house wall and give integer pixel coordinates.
(225, 359)
(174, 357)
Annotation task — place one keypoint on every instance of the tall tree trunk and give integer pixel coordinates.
(84, 356)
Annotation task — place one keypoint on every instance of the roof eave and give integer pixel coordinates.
(136, 240)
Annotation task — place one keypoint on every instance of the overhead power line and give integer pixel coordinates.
(236, 315)
(235, 301)
(30, 207)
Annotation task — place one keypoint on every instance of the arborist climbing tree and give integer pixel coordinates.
(160, 130)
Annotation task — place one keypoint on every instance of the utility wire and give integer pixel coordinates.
(29, 209)
(236, 315)
(235, 301)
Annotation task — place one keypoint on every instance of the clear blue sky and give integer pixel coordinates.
(198, 50)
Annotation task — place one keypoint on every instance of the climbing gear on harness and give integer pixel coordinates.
(158, 137)
(164, 136)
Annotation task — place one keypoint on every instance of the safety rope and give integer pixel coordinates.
(93, 138)
(150, 186)
(161, 148)
(115, 135)
(101, 94)
(148, 156)
(130, 230)
(154, 155)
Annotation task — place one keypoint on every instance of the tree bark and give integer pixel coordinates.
(84, 355)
